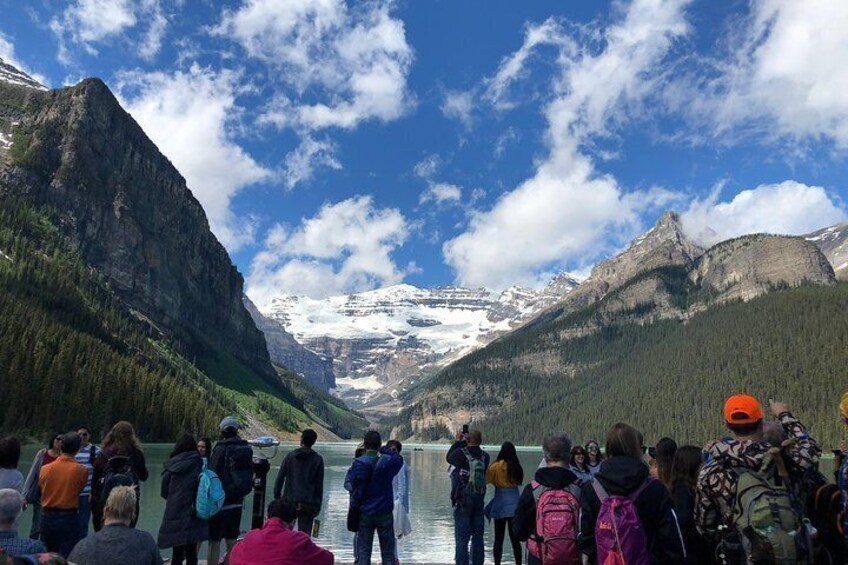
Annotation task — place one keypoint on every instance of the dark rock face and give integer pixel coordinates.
(285, 350)
(131, 216)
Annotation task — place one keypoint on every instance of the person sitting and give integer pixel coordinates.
(118, 543)
(11, 507)
(278, 543)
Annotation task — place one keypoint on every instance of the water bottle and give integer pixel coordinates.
(316, 527)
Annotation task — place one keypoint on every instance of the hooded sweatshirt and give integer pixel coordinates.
(524, 521)
(301, 478)
(716, 490)
(276, 544)
(624, 476)
(179, 488)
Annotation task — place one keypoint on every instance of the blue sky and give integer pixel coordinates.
(340, 146)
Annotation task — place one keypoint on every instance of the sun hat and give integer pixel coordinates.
(742, 409)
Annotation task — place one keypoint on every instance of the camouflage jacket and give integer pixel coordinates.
(716, 489)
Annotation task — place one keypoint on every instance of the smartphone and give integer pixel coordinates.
(465, 429)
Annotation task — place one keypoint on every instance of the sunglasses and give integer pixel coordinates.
(592, 448)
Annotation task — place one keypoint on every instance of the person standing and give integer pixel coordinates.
(578, 465)
(121, 462)
(11, 506)
(400, 493)
(204, 447)
(232, 461)
(61, 483)
(180, 528)
(118, 542)
(506, 475)
(684, 476)
(10, 456)
(842, 473)
(370, 478)
(594, 455)
(468, 490)
(301, 481)
(32, 494)
(86, 456)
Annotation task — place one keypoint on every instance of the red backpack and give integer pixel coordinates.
(557, 525)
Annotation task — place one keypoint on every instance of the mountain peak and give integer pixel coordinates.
(13, 75)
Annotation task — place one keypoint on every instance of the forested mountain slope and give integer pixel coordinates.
(118, 301)
(661, 352)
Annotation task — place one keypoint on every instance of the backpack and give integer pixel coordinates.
(557, 524)
(210, 494)
(237, 478)
(476, 479)
(119, 473)
(620, 538)
(764, 517)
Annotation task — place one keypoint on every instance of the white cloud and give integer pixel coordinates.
(301, 163)
(789, 207)
(459, 105)
(568, 211)
(441, 193)
(786, 76)
(341, 65)
(87, 22)
(345, 247)
(190, 116)
(7, 53)
(428, 166)
(508, 137)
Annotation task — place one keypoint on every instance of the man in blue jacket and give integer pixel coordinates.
(370, 478)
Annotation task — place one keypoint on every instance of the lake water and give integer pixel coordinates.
(432, 537)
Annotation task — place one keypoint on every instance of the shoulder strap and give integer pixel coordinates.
(600, 490)
(638, 492)
(538, 490)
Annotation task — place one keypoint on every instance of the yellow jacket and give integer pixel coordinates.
(496, 475)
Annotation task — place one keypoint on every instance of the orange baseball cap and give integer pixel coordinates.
(742, 409)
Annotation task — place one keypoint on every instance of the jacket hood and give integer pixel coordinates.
(622, 475)
(183, 463)
(304, 453)
(555, 477)
(733, 453)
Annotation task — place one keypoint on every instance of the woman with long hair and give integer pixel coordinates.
(121, 454)
(684, 479)
(624, 473)
(32, 492)
(204, 447)
(665, 450)
(180, 528)
(577, 464)
(507, 475)
(594, 457)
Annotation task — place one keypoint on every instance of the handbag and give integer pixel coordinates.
(354, 513)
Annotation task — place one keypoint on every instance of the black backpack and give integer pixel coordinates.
(119, 473)
(237, 477)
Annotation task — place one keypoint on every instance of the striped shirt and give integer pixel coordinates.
(85, 457)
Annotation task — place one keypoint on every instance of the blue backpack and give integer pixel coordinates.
(210, 493)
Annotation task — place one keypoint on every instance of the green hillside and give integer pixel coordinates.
(665, 377)
(70, 354)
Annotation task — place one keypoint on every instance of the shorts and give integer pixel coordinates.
(226, 524)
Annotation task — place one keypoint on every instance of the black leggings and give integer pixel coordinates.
(185, 552)
(502, 524)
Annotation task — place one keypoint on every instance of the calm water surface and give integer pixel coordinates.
(432, 537)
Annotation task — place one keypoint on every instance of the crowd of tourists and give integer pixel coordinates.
(755, 496)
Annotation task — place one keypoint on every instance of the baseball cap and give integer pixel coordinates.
(742, 409)
(229, 422)
(843, 405)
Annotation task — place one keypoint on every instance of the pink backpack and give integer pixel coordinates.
(619, 535)
(557, 524)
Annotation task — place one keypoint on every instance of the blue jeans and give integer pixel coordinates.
(84, 514)
(385, 527)
(468, 522)
(60, 530)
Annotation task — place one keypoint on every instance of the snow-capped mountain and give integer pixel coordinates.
(382, 340)
(833, 242)
(13, 75)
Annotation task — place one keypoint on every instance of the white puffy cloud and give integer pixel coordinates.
(87, 22)
(459, 105)
(341, 65)
(785, 76)
(345, 247)
(568, 211)
(7, 53)
(789, 207)
(427, 167)
(191, 117)
(301, 163)
(441, 193)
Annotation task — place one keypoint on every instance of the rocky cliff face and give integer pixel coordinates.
(285, 351)
(129, 214)
(833, 242)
